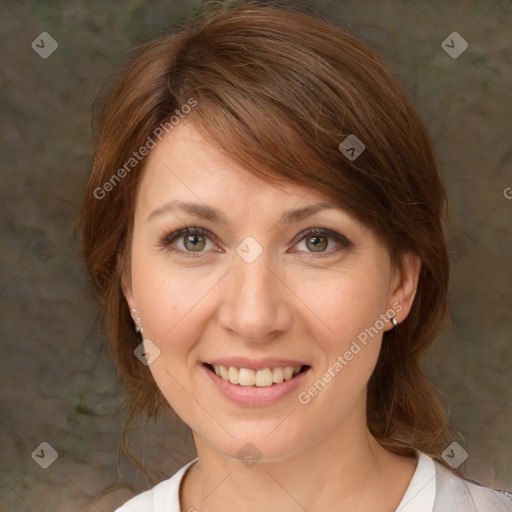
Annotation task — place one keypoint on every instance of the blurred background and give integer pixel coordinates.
(58, 384)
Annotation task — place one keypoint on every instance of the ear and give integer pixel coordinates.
(404, 286)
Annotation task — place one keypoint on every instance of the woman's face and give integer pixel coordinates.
(266, 279)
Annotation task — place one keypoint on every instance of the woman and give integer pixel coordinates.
(263, 222)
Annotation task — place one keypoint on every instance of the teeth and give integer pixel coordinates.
(246, 377)
(260, 378)
(277, 375)
(288, 373)
(224, 372)
(263, 378)
(233, 374)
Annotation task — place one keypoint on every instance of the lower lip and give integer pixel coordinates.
(253, 395)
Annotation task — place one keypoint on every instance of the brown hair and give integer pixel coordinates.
(277, 91)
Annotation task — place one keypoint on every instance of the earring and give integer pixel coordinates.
(137, 321)
(394, 321)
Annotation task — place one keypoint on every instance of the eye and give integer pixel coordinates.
(319, 240)
(189, 240)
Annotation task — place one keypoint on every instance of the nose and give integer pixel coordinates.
(255, 301)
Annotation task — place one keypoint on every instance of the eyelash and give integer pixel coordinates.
(167, 240)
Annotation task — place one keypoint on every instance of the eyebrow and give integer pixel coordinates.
(212, 214)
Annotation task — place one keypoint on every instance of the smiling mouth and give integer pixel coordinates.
(266, 377)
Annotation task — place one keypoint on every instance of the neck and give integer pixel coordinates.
(347, 471)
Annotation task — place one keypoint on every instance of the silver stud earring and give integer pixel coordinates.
(394, 321)
(136, 320)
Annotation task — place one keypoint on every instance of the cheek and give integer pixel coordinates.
(346, 328)
(344, 303)
(174, 306)
(169, 306)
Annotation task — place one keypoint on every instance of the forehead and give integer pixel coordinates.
(184, 165)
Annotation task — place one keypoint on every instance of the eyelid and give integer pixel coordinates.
(179, 233)
(341, 239)
(167, 240)
(186, 230)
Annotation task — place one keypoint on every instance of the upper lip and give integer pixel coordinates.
(253, 364)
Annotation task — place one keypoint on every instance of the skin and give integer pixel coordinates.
(290, 302)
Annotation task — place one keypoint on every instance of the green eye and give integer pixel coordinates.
(188, 240)
(194, 243)
(318, 240)
(317, 243)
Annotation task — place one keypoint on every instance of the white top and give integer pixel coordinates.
(433, 488)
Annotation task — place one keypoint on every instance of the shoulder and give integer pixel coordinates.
(456, 494)
(163, 497)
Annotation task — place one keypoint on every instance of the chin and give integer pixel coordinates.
(264, 445)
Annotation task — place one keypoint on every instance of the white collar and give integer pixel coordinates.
(421, 493)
